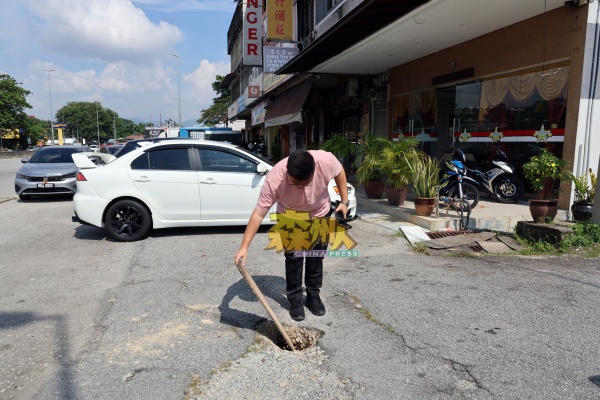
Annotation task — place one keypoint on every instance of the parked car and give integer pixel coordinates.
(49, 171)
(111, 148)
(173, 183)
(31, 148)
(94, 148)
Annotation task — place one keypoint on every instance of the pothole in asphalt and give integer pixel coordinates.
(302, 337)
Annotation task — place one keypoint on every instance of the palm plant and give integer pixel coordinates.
(395, 161)
(370, 159)
(339, 146)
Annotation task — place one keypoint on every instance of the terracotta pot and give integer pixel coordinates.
(395, 196)
(424, 206)
(374, 190)
(543, 210)
(582, 211)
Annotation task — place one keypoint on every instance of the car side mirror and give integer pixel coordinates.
(261, 169)
(24, 160)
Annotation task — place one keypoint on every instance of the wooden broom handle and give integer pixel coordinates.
(263, 301)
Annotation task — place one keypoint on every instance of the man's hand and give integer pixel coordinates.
(343, 208)
(241, 254)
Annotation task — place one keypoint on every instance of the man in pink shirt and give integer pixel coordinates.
(299, 183)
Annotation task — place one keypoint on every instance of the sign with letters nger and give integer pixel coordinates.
(252, 35)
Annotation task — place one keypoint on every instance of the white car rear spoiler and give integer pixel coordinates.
(82, 160)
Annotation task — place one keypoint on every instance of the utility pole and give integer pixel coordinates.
(179, 87)
(50, 94)
(97, 125)
(115, 127)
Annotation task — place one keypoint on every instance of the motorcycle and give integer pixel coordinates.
(498, 181)
(456, 184)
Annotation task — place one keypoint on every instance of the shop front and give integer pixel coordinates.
(507, 98)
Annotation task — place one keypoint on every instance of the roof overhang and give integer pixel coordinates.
(366, 43)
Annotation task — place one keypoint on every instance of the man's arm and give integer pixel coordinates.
(251, 229)
(342, 184)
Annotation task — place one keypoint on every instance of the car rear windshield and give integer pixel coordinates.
(54, 155)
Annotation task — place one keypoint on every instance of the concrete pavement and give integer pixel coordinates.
(487, 215)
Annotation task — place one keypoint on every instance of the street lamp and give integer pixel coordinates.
(179, 88)
(50, 94)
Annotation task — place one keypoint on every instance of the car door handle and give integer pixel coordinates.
(142, 179)
(209, 181)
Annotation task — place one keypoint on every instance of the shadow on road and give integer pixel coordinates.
(272, 287)
(64, 378)
(86, 232)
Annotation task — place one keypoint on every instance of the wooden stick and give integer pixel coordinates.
(263, 301)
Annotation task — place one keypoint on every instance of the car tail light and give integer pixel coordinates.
(80, 177)
(337, 191)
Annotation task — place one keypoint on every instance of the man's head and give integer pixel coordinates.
(301, 167)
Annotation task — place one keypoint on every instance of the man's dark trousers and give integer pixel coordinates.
(313, 274)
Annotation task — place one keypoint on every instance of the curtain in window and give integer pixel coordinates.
(517, 89)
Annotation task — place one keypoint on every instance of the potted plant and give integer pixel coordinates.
(339, 146)
(585, 189)
(425, 177)
(395, 166)
(369, 160)
(544, 171)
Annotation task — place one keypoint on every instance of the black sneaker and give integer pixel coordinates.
(297, 311)
(315, 305)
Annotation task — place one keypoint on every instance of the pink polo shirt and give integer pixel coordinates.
(314, 198)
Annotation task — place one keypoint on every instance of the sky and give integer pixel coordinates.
(117, 52)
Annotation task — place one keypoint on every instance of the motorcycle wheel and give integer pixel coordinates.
(468, 190)
(508, 189)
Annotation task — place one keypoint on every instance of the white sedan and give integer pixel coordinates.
(173, 183)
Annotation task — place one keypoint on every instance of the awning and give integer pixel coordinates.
(365, 19)
(287, 107)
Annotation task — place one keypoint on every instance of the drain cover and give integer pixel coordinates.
(301, 337)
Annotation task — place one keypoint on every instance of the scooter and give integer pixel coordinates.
(499, 181)
(456, 184)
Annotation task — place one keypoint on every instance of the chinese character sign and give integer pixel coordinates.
(279, 20)
(277, 57)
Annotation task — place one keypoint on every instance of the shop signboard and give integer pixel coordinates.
(276, 57)
(252, 33)
(271, 81)
(232, 110)
(279, 20)
(258, 114)
(241, 101)
(254, 90)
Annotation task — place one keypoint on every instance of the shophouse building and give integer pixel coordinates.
(482, 75)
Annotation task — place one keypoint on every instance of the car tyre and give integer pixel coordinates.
(128, 221)
(25, 197)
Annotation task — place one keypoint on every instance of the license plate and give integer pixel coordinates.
(45, 185)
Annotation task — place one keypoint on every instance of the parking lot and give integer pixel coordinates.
(82, 316)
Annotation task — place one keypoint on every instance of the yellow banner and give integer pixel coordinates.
(279, 20)
(9, 133)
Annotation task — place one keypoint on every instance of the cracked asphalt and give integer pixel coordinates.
(83, 317)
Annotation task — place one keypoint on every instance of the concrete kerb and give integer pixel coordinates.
(487, 215)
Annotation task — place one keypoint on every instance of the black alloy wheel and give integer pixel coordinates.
(508, 189)
(128, 221)
(470, 193)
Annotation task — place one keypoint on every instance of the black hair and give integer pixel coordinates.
(301, 165)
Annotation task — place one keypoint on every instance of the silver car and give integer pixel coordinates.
(49, 171)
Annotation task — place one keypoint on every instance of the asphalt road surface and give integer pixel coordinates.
(170, 317)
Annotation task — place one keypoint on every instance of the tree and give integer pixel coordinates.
(12, 103)
(80, 117)
(217, 112)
